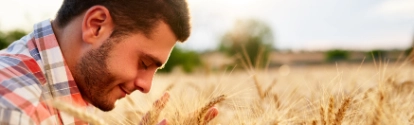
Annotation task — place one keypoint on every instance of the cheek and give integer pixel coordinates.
(124, 68)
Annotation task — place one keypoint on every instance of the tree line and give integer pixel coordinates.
(249, 42)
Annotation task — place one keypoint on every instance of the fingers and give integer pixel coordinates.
(211, 114)
(163, 122)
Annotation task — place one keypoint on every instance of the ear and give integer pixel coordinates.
(97, 25)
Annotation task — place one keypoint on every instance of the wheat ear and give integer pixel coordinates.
(152, 116)
(203, 112)
(378, 109)
(78, 113)
(169, 87)
(339, 116)
(322, 113)
(313, 122)
(330, 110)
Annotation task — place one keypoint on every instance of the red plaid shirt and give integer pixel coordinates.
(33, 71)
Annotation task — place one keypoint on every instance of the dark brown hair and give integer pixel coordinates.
(134, 15)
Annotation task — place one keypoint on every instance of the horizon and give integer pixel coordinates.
(296, 25)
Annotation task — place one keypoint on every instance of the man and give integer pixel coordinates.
(94, 53)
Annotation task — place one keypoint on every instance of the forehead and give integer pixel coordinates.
(158, 43)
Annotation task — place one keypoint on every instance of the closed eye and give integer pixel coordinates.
(143, 65)
(149, 61)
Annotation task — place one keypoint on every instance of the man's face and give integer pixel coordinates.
(119, 67)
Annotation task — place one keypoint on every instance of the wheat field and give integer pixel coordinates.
(350, 94)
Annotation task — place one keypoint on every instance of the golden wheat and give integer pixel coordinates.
(327, 95)
(78, 113)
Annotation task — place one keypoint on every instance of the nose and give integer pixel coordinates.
(143, 81)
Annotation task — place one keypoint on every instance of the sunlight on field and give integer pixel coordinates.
(326, 94)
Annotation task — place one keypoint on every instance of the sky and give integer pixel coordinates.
(296, 24)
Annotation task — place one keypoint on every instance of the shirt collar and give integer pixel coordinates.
(60, 82)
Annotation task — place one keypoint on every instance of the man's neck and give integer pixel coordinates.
(56, 30)
(68, 38)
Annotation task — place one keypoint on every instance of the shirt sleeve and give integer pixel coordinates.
(14, 117)
(20, 91)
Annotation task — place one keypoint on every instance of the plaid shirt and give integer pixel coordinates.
(33, 71)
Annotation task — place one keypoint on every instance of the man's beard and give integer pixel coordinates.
(93, 77)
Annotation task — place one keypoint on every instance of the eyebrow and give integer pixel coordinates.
(157, 61)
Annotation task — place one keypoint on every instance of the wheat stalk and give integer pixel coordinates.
(258, 87)
(78, 113)
(267, 91)
(276, 100)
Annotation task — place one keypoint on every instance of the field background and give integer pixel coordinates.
(323, 62)
(341, 93)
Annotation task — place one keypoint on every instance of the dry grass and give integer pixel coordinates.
(377, 94)
(78, 113)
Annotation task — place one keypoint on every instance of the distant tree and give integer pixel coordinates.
(409, 51)
(188, 60)
(252, 37)
(9, 37)
(336, 55)
(376, 54)
(3, 41)
(15, 35)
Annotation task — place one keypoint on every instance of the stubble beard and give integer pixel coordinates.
(93, 77)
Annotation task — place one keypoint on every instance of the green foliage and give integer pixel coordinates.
(3, 41)
(15, 35)
(408, 51)
(188, 60)
(9, 37)
(376, 54)
(336, 55)
(252, 37)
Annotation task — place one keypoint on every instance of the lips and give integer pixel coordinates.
(124, 90)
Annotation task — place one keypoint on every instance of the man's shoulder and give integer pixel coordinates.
(15, 65)
(20, 80)
(18, 61)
